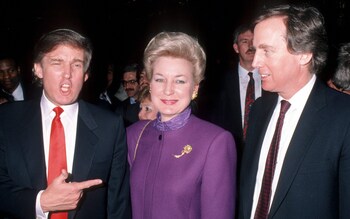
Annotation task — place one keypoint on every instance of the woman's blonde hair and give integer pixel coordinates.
(177, 45)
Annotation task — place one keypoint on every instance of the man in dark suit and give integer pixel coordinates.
(107, 98)
(230, 106)
(94, 143)
(307, 173)
(12, 86)
(130, 107)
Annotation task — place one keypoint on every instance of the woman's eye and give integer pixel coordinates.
(148, 109)
(180, 81)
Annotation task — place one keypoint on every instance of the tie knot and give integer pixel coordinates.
(58, 110)
(284, 106)
(250, 74)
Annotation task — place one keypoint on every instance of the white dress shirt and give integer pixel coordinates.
(243, 84)
(69, 119)
(291, 119)
(18, 93)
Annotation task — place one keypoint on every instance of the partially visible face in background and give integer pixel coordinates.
(147, 110)
(131, 86)
(143, 80)
(9, 75)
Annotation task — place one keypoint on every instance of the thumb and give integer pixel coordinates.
(62, 177)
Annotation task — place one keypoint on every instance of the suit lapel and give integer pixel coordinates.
(33, 151)
(261, 116)
(86, 141)
(303, 136)
(236, 103)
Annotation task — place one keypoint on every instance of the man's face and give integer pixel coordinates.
(244, 47)
(9, 75)
(62, 73)
(130, 83)
(143, 80)
(280, 70)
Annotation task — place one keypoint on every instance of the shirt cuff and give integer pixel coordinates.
(39, 211)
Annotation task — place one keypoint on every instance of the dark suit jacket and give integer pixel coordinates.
(115, 102)
(130, 112)
(100, 152)
(227, 112)
(315, 176)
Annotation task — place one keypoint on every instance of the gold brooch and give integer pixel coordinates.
(187, 149)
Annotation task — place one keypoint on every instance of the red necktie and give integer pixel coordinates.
(57, 155)
(262, 209)
(249, 99)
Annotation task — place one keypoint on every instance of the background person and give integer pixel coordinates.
(130, 107)
(341, 78)
(11, 84)
(148, 111)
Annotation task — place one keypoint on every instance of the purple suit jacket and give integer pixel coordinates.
(200, 184)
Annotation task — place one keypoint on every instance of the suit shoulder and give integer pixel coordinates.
(98, 112)
(17, 109)
(338, 101)
(206, 127)
(138, 126)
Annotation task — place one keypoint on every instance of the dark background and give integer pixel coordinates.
(120, 29)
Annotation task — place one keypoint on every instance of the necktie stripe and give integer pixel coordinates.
(249, 99)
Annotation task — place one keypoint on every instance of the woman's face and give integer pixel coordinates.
(147, 110)
(172, 86)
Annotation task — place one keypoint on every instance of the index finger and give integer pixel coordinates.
(88, 183)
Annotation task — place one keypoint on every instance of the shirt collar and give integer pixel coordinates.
(18, 93)
(243, 73)
(132, 100)
(175, 123)
(47, 107)
(299, 98)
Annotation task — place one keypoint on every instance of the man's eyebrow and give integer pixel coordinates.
(78, 60)
(55, 59)
(264, 46)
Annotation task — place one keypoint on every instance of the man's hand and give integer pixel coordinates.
(62, 196)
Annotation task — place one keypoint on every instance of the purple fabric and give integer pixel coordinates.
(175, 123)
(200, 184)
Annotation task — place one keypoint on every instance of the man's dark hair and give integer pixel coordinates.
(51, 40)
(242, 29)
(305, 31)
(133, 67)
(341, 77)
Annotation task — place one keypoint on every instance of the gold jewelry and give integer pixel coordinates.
(194, 95)
(187, 149)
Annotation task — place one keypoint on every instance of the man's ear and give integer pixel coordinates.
(305, 58)
(86, 76)
(38, 71)
(235, 47)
